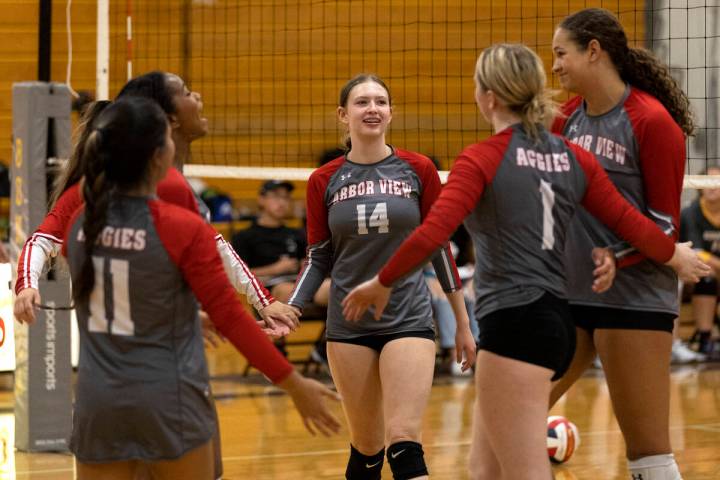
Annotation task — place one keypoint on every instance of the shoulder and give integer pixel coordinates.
(491, 147)
(569, 107)
(174, 218)
(174, 182)
(70, 198)
(414, 158)
(691, 210)
(647, 112)
(566, 110)
(421, 164)
(321, 176)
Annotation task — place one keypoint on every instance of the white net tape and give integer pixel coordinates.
(302, 174)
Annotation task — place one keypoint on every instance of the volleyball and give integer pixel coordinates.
(562, 439)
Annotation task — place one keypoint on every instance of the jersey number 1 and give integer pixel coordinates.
(114, 308)
(378, 219)
(548, 202)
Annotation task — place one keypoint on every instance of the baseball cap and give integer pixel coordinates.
(275, 184)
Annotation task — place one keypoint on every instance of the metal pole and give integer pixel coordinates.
(44, 40)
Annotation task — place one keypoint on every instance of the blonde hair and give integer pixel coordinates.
(516, 76)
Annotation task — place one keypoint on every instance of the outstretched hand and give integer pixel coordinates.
(370, 293)
(309, 397)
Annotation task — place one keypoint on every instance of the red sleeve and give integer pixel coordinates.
(175, 189)
(604, 202)
(473, 170)
(53, 229)
(196, 256)
(431, 188)
(71, 221)
(661, 144)
(316, 211)
(56, 222)
(566, 110)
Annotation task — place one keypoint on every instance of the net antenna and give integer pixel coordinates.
(102, 58)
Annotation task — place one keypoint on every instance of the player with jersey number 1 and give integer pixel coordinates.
(517, 192)
(360, 207)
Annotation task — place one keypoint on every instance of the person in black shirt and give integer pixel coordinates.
(272, 250)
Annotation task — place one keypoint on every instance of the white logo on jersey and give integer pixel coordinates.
(604, 147)
(572, 129)
(545, 162)
(369, 187)
(122, 238)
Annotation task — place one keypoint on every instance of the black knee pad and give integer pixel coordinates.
(406, 460)
(364, 467)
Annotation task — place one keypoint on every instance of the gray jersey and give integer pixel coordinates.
(142, 388)
(643, 151)
(517, 197)
(357, 216)
(519, 225)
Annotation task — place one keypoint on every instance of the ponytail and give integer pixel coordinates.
(96, 194)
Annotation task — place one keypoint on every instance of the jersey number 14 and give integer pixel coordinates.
(378, 219)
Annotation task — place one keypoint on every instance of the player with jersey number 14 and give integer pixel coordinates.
(360, 207)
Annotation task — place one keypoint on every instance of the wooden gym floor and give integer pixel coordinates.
(263, 438)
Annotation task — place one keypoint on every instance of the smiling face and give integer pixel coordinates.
(367, 112)
(571, 63)
(187, 119)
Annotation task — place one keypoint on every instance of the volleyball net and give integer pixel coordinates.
(270, 71)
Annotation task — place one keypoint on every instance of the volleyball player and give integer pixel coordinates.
(184, 109)
(360, 206)
(142, 389)
(634, 117)
(518, 189)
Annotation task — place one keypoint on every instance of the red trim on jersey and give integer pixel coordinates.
(604, 202)
(317, 214)
(52, 227)
(473, 170)
(196, 255)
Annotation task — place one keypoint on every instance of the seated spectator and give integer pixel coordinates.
(700, 224)
(272, 250)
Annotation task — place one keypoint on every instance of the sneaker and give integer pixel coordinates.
(682, 354)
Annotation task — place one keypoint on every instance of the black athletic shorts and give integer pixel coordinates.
(591, 318)
(377, 341)
(541, 333)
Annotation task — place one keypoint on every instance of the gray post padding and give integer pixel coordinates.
(43, 401)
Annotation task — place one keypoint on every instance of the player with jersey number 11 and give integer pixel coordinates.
(142, 395)
(517, 192)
